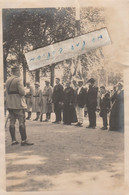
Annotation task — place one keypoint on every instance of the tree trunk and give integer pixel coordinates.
(52, 69)
(24, 74)
(37, 75)
(5, 70)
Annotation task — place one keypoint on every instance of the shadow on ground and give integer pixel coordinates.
(62, 150)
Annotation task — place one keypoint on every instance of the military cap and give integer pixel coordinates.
(91, 80)
(47, 81)
(37, 83)
(15, 69)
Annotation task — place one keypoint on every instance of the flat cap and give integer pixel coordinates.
(91, 80)
(102, 87)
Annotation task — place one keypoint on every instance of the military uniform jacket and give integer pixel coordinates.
(15, 93)
(91, 99)
(57, 94)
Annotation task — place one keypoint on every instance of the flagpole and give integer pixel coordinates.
(77, 30)
(77, 19)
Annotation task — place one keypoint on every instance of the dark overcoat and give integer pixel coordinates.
(69, 113)
(57, 94)
(91, 99)
(116, 121)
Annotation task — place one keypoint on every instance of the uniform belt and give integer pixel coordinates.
(35, 95)
(13, 92)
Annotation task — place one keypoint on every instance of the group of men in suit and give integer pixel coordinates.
(92, 98)
(88, 98)
(82, 97)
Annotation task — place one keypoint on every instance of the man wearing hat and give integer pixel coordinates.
(46, 107)
(29, 99)
(57, 99)
(16, 106)
(91, 103)
(37, 101)
(80, 102)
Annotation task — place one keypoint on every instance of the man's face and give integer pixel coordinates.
(27, 85)
(68, 84)
(119, 87)
(74, 83)
(18, 73)
(47, 83)
(102, 90)
(91, 84)
(57, 81)
(80, 84)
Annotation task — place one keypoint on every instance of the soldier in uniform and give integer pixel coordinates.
(37, 101)
(57, 99)
(16, 106)
(29, 99)
(46, 107)
(91, 103)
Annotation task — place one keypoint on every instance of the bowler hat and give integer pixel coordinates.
(58, 78)
(91, 80)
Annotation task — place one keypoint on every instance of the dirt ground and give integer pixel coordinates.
(66, 158)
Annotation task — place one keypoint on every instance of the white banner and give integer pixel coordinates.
(67, 49)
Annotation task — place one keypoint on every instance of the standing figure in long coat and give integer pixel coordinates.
(57, 99)
(29, 99)
(104, 106)
(46, 107)
(37, 97)
(91, 103)
(69, 109)
(116, 121)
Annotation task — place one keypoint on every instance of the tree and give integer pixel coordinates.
(27, 29)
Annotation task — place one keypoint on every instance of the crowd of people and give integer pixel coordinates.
(73, 100)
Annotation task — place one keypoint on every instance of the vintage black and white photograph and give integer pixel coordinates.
(64, 92)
